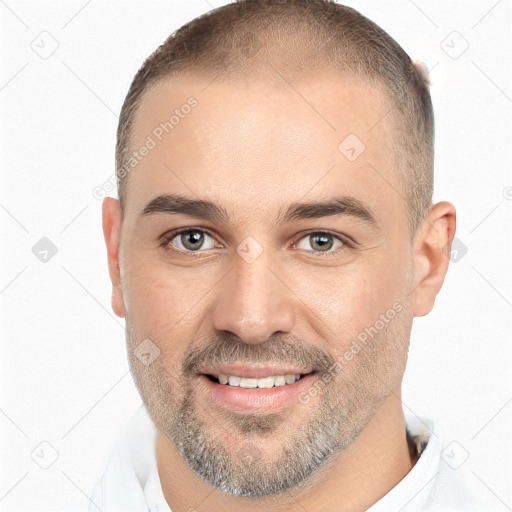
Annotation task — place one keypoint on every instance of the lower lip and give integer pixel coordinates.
(257, 399)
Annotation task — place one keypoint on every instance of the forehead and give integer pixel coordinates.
(252, 144)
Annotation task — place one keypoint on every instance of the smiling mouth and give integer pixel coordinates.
(257, 383)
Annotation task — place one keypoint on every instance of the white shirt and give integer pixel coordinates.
(130, 481)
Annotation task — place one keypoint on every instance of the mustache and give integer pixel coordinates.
(276, 350)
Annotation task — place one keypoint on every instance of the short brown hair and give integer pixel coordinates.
(299, 36)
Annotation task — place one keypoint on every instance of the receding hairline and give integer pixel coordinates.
(214, 43)
(271, 78)
(190, 80)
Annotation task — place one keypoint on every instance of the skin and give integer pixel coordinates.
(254, 149)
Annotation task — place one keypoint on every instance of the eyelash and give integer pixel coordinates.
(168, 237)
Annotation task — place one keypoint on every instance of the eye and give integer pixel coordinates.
(192, 240)
(188, 240)
(322, 242)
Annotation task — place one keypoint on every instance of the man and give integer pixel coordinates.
(273, 240)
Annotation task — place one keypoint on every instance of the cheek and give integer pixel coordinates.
(359, 302)
(351, 299)
(155, 300)
(163, 301)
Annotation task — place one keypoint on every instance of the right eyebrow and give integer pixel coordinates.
(175, 204)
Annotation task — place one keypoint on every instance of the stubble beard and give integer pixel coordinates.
(242, 466)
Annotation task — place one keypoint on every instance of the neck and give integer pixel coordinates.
(362, 474)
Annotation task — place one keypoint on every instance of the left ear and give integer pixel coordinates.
(431, 255)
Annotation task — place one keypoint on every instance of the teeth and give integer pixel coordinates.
(263, 382)
(266, 382)
(233, 380)
(248, 383)
(279, 380)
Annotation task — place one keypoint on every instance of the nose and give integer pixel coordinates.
(254, 303)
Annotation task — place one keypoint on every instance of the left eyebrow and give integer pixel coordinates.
(330, 207)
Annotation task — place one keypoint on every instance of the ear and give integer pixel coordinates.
(431, 254)
(112, 216)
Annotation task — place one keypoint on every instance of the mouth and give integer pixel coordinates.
(266, 393)
(264, 382)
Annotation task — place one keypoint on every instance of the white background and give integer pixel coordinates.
(64, 372)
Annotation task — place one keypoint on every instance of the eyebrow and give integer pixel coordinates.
(174, 204)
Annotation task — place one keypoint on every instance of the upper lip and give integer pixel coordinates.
(253, 371)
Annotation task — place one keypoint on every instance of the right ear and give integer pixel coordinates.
(112, 215)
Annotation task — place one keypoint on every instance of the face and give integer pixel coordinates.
(261, 283)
